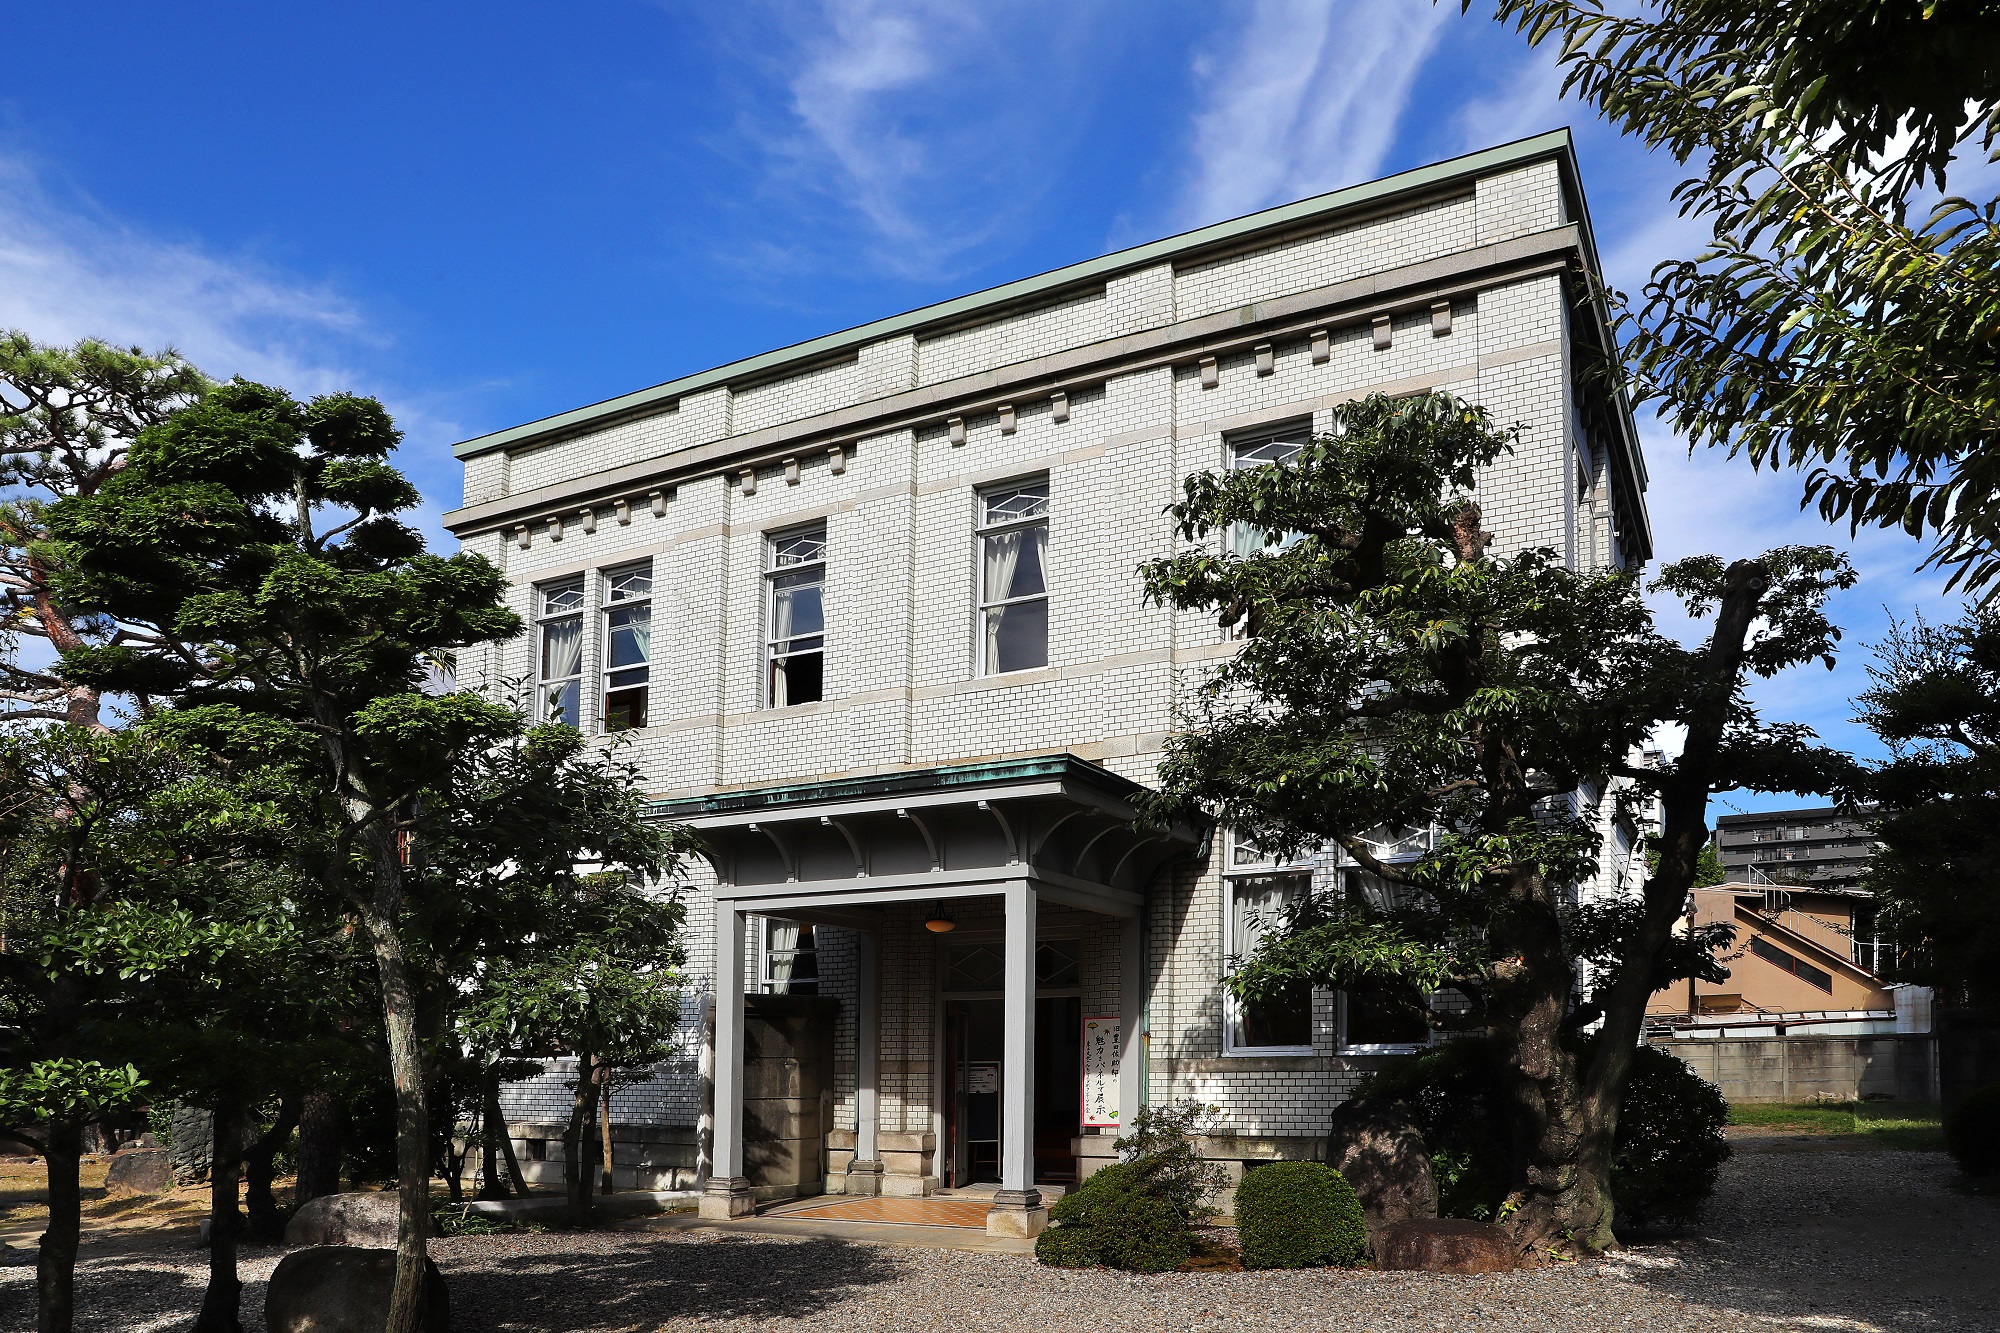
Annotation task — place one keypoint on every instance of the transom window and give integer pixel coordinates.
(790, 956)
(977, 967)
(559, 686)
(795, 637)
(628, 645)
(1013, 577)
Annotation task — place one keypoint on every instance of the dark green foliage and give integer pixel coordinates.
(1161, 1141)
(1670, 1142)
(1142, 1233)
(1067, 1247)
(1668, 1152)
(1299, 1215)
(1972, 1132)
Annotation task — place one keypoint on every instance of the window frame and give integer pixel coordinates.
(608, 606)
(1238, 873)
(768, 639)
(982, 530)
(544, 618)
(1235, 443)
(765, 981)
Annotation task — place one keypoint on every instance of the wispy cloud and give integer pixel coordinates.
(1307, 97)
(927, 125)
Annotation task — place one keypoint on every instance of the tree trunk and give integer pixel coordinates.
(55, 1267)
(266, 1224)
(604, 1162)
(222, 1303)
(320, 1122)
(577, 1141)
(499, 1119)
(406, 1067)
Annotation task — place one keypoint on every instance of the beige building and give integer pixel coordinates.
(867, 612)
(1794, 955)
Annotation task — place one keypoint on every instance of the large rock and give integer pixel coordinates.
(192, 1142)
(341, 1289)
(137, 1171)
(1445, 1245)
(367, 1220)
(1376, 1144)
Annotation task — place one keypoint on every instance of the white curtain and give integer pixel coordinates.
(631, 636)
(562, 659)
(780, 947)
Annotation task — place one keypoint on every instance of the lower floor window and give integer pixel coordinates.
(1383, 1016)
(1278, 1024)
(790, 964)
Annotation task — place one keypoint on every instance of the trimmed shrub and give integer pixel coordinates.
(1972, 1132)
(1299, 1215)
(1067, 1247)
(1141, 1233)
(1670, 1146)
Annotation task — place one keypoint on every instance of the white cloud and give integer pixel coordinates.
(1307, 98)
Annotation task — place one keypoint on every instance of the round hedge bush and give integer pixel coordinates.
(1299, 1215)
(1067, 1247)
(1141, 1233)
(1972, 1131)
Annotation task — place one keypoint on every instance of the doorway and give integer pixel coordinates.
(975, 1074)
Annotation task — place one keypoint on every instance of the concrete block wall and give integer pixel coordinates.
(901, 676)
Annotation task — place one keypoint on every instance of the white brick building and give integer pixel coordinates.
(806, 586)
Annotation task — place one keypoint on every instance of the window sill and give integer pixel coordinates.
(1268, 1052)
(1383, 1048)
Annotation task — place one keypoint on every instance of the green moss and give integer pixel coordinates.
(1299, 1215)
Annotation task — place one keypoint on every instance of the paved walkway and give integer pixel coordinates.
(931, 1212)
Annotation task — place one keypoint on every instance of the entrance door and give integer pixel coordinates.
(974, 1075)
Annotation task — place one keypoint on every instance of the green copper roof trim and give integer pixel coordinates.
(1556, 142)
(987, 774)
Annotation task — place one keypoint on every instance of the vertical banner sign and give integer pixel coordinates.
(1102, 1045)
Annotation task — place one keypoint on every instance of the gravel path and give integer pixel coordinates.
(1872, 1242)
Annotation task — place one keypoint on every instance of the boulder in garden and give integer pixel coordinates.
(1375, 1143)
(1445, 1245)
(367, 1220)
(342, 1289)
(139, 1171)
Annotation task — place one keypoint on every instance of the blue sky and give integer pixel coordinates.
(487, 213)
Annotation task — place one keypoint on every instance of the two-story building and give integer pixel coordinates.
(866, 610)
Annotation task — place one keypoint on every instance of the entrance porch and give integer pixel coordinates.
(998, 909)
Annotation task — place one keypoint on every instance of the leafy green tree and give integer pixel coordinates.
(67, 417)
(255, 544)
(1836, 321)
(1396, 674)
(115, 847)
(1935, 702)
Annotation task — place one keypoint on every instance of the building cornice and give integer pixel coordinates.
(1188, 248)
(1355, 301)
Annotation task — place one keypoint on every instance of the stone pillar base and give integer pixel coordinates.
(1017, 1213)
(726, 1197)
(864, 1178)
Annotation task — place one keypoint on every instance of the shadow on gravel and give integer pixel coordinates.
(641, 1283)
(1846, 1240)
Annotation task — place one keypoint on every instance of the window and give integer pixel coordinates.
(559, 689)
(628, 645)
(1013, 577)
(790, 964)
(982, 967)
(1278, 443)
(795, 637)
(1256, 889)
(1798, 967)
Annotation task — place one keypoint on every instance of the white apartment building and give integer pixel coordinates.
(866, 609)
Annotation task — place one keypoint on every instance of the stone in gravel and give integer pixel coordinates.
(136, 1171)
(1375, 1143)
(341, 1289)
(1445, 1245)
(367, 1220)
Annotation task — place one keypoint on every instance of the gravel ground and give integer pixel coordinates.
(1875, 1242)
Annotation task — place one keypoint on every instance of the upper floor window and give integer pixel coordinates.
(1257, 888)
(1013, 577)
(559, 687)
(1278, 443)
(628, 645)
(795, 636)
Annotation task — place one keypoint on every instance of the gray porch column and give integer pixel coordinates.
(1132, 1015)
(1017, 1206)
(728, 1192)
(864, 1174)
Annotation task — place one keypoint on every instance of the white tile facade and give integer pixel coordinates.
(901, 688)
